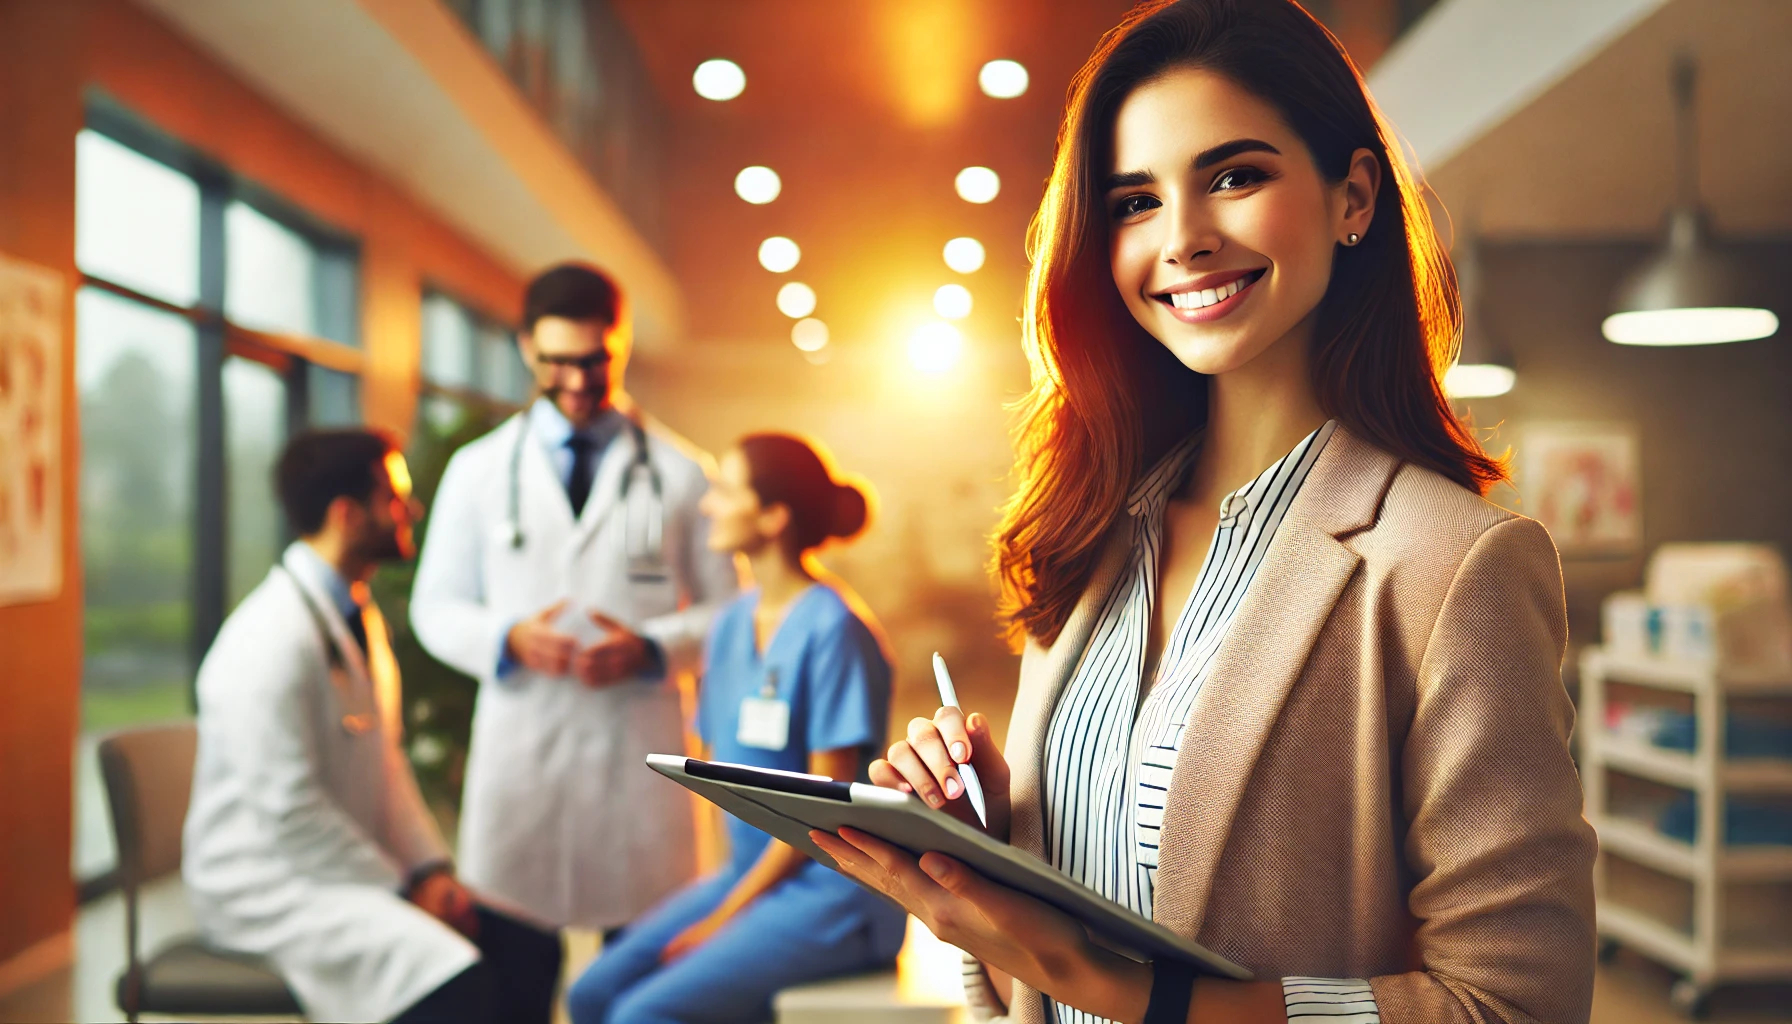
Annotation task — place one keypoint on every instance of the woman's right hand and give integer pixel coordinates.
(926, 764)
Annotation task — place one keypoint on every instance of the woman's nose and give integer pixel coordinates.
(1190, 234)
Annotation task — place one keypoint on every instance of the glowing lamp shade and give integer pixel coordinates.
(1002, 79)
(809, 334)
(718, 80)
(952, 301)
(779, 254)
(796, 300)
(935, 347)
(757, 185)
(1712, 325)
(1479, 380)
(977, 184)
(964, 255)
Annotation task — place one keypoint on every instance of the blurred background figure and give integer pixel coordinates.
(307, 842)
(795, 678)
(566, 570)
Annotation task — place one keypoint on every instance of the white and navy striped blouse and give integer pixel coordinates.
(1114, 735)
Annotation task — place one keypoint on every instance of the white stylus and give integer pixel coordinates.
(973, 788)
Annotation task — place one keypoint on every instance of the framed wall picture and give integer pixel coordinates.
(30, 432)
(1583, 481)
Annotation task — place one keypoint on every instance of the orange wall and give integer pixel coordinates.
(50, 53)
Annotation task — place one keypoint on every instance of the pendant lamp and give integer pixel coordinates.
(1691, 292)
(1483, 369)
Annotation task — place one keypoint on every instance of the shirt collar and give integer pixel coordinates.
(1152, 492)
(303, 559)
(553, 429)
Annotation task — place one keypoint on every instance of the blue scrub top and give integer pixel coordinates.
(824, 662)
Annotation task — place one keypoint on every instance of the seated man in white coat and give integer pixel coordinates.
(306, 840)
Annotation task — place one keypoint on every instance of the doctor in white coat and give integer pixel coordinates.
(306, 839)
(566, 568)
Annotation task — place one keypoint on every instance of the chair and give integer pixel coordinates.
(149, 775)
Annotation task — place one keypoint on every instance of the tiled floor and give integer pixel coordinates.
(1629, 990)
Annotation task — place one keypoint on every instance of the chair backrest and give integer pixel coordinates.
(149, 776)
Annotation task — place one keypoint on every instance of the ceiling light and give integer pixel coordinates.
(1483, 368)
(952, 301)
(964, 255)
(935, 347)
(779, 254)
(978, 184)
(809, 334)
(757, 185)
(796, 300)
(1003, 79)
(718, 79)
(1691, 292)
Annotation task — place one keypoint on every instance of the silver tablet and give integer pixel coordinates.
(787, 805)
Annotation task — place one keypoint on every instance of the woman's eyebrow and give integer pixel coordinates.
(1228, 150)
(1127, 179)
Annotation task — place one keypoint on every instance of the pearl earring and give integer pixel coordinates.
(1352, 238)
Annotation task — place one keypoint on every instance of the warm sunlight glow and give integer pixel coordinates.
(1003, 79)
(929, 972)
(718, 79)
(809, 334)
(796, 300)
(978, 184)
(1478, 380)
(757, 185)
(935, 347)
(964, 255)
(952, 301)
(778, 254)
(1710, 326)
(400, 475)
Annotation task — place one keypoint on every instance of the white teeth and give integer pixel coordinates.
(1207, 296)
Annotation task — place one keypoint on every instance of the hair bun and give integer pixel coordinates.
(850, 511)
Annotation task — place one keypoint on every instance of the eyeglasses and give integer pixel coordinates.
(558, 364)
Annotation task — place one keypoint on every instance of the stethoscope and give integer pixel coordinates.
(646, 556)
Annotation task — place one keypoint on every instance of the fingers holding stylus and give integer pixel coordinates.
(911, 770)
(925, 739)
(953, 732)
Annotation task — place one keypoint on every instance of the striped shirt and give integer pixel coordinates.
(1114, 735)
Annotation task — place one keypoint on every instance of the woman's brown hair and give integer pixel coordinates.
(789, 471)
(1108, 399)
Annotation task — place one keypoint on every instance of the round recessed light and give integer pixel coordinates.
(1003, 79)
(779, 254)
(722, 79)
(952, 301)
(809, 334)
(964, 255)
(796, 300)
(757, 185)
(977, 184)
(935, 347)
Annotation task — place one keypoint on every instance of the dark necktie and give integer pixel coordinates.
(357, 627)
(578, 485)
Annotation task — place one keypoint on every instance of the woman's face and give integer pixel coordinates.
(1221, 228)
(737, 520)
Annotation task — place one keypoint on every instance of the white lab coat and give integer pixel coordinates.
(300, 832)
(561, 821)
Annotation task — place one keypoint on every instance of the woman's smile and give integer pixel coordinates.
(1211, 296)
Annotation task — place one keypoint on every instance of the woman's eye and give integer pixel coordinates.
(1237, 178)
(1133, 205)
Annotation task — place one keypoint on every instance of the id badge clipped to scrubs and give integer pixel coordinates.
(765, 720)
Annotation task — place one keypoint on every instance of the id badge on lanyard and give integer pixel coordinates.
(764, 719)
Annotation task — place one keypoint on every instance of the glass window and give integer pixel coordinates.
(254, 432)
(502, 373)
(335, 398)
(270, 273)
(136, 220)
(448, 343)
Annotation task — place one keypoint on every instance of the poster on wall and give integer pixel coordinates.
(30, 426)
(1583, 482)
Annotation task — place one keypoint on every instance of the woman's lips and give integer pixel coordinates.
(1210, 304)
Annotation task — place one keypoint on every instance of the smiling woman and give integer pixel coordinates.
(1290, 687)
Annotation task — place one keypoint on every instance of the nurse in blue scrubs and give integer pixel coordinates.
(794, 679)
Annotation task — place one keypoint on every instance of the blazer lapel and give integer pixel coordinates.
(1043, 674)
(1302, 576)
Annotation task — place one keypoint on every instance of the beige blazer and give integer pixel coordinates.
(1375, 781)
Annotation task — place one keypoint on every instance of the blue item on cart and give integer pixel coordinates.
(1743, 736)
(1746, 822)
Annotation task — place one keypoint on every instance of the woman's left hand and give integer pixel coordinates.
(1010, 931)
(694, 936)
